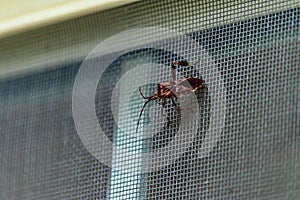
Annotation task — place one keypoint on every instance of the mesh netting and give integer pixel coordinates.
(234, 136)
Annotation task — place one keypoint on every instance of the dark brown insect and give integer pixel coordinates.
(173, 90)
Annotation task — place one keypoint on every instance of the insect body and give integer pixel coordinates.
(173, 89)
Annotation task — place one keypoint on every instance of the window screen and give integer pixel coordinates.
(221, 123)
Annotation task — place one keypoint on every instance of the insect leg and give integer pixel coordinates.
(163, 106)
(174, 103)
(137, 127)
(164, 103)
(140, 90)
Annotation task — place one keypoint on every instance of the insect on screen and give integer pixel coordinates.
(154, 100)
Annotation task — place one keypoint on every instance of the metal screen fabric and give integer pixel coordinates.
(69, 125)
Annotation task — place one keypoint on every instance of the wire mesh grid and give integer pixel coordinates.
(256, 156)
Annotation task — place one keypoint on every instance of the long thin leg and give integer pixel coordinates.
(174, 103)
(140, 89)
(163, 106)
(164, 103)
(137, 126)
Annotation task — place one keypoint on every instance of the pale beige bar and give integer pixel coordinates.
(17, 16)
